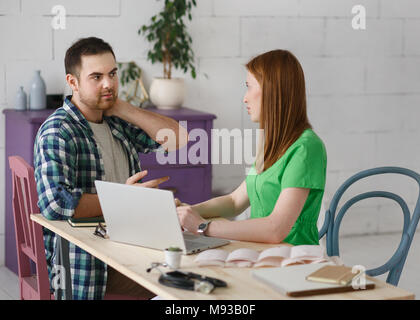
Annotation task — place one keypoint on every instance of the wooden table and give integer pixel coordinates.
(133, 261)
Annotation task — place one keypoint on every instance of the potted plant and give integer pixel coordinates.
(172, 47)
(130, 75)
(173, 257)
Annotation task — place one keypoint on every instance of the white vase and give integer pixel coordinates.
(38, 95)
(167, 93)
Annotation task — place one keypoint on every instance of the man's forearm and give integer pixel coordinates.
(88, 206)
(152, 123)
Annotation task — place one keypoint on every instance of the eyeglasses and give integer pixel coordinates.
(100, 231)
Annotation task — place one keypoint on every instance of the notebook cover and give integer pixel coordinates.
(291, 280)
(86, 222)
(333, 274)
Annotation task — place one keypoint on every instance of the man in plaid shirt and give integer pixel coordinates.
(93, 136)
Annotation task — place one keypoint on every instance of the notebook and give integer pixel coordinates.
(291, 281)
(334, 274)
(86, 222)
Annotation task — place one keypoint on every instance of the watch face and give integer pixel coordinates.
(202, 226)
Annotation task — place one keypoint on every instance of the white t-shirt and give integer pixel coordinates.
(113, 154)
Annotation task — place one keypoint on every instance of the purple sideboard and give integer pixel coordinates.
(191, 183)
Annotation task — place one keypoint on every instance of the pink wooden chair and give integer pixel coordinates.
(29, 237)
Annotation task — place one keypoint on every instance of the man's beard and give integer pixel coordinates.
(99, 103)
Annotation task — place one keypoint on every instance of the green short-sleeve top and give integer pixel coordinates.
(303, 165)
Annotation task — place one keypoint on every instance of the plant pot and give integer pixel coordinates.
(167, 93)
(173, 258)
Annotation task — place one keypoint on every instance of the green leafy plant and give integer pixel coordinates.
(176, 249)
(130, 71)
(130, 74)
(171, 41)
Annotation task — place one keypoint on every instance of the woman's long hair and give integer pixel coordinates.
(283, 104)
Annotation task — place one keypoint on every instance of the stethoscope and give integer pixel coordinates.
(187, 280)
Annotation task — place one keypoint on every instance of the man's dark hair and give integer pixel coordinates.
(84, 47)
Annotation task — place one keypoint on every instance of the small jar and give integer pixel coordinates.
(21, 100)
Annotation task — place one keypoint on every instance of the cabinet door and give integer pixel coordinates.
(188, 184)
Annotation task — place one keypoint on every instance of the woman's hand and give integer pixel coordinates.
(189, 218)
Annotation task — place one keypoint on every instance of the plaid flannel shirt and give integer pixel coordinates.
(67, 163)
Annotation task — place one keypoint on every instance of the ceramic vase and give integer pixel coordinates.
(167, 93)
(38, 95)
(21, 100)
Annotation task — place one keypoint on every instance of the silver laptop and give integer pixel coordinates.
(147, 217)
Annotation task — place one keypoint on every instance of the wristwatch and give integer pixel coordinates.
(202, 227)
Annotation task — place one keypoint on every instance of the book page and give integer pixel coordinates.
(270, 262)
(243, 254)
(308, 260)
(307, 251)
(280, 251)
(212, 257)
(273, 256)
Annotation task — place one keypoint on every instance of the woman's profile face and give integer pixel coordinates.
(252, 97)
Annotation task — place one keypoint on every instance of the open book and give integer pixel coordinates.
(280, 256)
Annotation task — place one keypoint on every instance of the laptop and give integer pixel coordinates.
(147, 217)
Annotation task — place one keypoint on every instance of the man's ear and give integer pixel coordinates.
(72, 82)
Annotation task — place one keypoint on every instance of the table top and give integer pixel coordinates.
(133, 261)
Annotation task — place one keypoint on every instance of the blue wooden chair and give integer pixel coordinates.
(332, 223)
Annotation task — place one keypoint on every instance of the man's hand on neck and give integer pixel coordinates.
(151, 123)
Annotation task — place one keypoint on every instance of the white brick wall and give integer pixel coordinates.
(333, 8)
(92, 8)
(2, 84)
(219, 43)
(363, 86)
(2, 201)
(342, 40)
(9, 7)
(25, 38)
(400, 9)
(412, 45)
(393, 75)
(333, 75)
(277, 33)
(256, 8)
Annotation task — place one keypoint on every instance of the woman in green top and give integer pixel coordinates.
(286, 184)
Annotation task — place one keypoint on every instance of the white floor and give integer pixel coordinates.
(369, 251)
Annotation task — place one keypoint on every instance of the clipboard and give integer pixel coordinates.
(291, 281)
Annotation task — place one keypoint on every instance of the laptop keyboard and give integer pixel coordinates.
(194, 242)
(190, 236)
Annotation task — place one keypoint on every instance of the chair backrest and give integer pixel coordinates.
(332, 224)
(29, 237)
